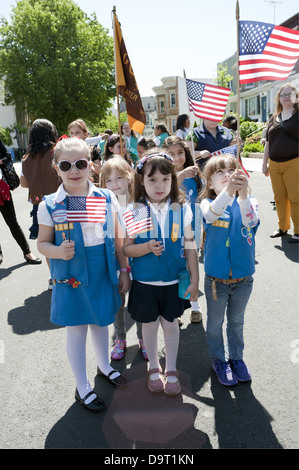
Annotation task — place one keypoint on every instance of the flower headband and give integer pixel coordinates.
(144, 159)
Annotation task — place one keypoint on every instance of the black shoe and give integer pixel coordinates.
(120, 381)
(32, 261)
(278, 233)
(96, 406)
(295, 238)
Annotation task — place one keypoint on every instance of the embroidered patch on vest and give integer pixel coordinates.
(221, 223)
(61, 227)
(175, 232)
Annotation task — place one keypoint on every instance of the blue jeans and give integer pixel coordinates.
(232, 300)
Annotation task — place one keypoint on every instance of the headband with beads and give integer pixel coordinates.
(143, 160)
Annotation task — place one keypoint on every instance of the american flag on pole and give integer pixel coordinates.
(86, 209)
(232, 149)
(207, 101)
(266, 51)
(138, 220)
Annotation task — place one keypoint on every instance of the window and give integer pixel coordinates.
(172, 100)
(173, 125)
(162, 106)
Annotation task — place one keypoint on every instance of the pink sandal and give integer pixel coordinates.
(155, 386)
(118, 351)
(172, 388)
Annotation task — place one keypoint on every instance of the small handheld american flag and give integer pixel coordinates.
(207, 101)
(138, 220)
(86, 209)
(232, 149)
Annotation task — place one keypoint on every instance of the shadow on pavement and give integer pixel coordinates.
(33, 316)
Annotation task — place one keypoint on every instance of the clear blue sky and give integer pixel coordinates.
(164, 37)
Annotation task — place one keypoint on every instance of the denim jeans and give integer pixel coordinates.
(232, 300)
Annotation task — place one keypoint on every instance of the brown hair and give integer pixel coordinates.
(80, 123)
(119, 164)
(277, 98)
(155, 163)
(212, 165)
(112, 140)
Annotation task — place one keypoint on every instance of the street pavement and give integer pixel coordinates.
(38, 410)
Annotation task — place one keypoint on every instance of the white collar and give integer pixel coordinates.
(61, 194)
(163, 210)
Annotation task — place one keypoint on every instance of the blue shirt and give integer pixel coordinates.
(206, 141)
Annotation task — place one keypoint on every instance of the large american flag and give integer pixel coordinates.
(207, 101)
(86, 209)
(138, 220)
(267, 52)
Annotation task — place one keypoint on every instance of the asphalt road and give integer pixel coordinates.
(38, 410)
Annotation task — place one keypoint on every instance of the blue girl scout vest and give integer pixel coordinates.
(63, 271)
(189, 186)
(229, 245)
(172, 261)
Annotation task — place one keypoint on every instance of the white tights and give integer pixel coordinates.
(171, 338)
(76, 351)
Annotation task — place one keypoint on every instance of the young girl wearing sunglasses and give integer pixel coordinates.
(85, 293)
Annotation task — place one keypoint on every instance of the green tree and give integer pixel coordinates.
(223, 78)
(56, 62)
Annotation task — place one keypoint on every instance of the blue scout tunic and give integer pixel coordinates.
(172, 261)
(229, 245)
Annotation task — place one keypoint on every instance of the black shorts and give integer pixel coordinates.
(146, 302)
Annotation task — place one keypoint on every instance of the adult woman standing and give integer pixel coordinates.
(37, 172)
(7, 210)
(282, 150)
(182, 126)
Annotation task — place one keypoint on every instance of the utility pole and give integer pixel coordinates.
(274, 6)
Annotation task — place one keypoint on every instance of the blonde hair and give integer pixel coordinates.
(210, 168)
(69, 144)
(80, 123)
(118, 163)
(277, 98)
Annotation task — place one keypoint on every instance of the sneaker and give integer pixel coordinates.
(224, 373)
(240, 369)
(118, 351)
(50, 284)
(195, 316)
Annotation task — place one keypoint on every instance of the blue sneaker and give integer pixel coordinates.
(224, 373)
(240, 370)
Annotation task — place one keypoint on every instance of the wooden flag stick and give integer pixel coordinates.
(192, 146)
(116, 84)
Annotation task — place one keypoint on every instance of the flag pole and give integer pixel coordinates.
(192, 149)
(238, 93)
(238, 82)
(116, 85)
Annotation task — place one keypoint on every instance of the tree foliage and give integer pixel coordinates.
(56, 62)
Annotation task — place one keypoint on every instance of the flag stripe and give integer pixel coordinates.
(137, 220)
(267, 52)
(207, 101)
(86, 209)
